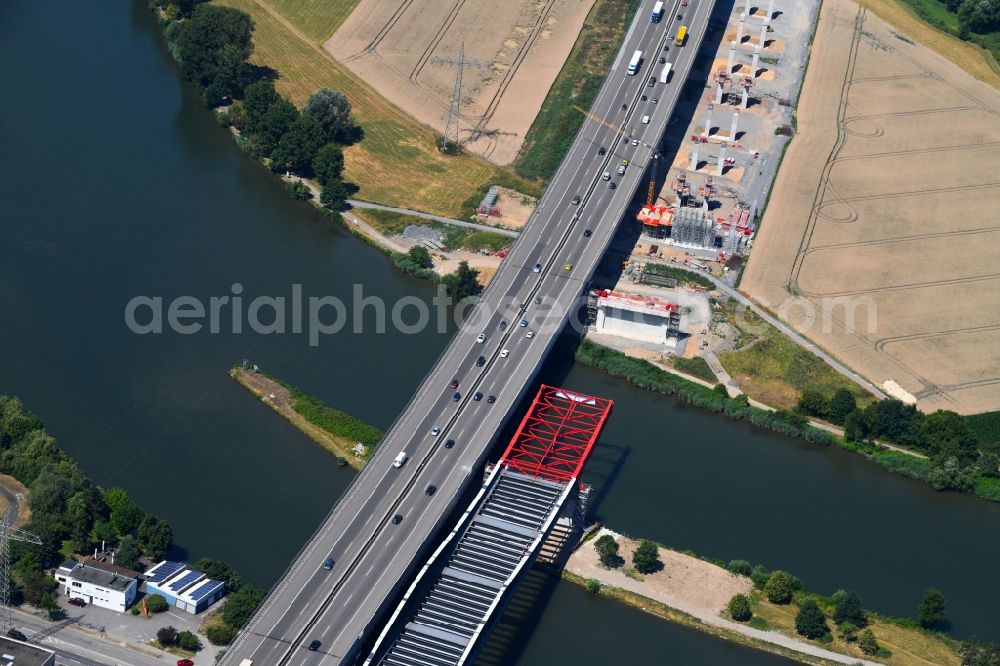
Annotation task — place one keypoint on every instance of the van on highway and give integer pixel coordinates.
(665, 72)
(606, 176)
(400, 459)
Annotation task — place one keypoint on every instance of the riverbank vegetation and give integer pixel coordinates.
(453, 237)
(645, 375)
(353, 441)
(954, 458)
(577, 84)
(398, 163)
(695, 366)
(72, 516)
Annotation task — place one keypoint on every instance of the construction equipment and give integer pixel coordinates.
(653, 173)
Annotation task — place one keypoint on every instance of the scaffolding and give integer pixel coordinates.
(692, 226)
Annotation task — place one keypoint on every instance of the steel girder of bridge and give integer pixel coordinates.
(444, 614)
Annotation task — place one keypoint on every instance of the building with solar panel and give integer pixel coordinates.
(185, 588)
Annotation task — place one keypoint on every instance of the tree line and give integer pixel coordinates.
(212, 45)
(68, 510)
(958, 460)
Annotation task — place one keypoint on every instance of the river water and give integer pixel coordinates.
(116, 183)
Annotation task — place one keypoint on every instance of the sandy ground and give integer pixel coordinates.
(20, 493)
(684, 582)
(515, 209)
(886, 205)
(516, 48)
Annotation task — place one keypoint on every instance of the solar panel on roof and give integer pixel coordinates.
(185, 580)
(204, 589)
(165, 571)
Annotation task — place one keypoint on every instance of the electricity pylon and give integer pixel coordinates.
(9, 533)
(451, 126)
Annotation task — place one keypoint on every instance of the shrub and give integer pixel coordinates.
(739, 608)
(739, 567)
(849, 632)
(760, 576)
(188, 641)
(848, 608)
(810, 621)
(220, 634)
(867, 642)
(167, 636)
(593, 585)
(156, 603)
(779, 588)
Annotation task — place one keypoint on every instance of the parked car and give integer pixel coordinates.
(77, 601)
(16, 635)
(185, 662)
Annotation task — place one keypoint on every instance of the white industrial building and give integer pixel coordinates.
(636, 317)
(114, 590)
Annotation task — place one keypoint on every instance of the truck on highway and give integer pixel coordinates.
(657, 13)
(682, 33)
(665, 74)
(633, 64)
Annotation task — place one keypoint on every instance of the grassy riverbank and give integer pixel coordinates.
(695, 591)
(346, 437)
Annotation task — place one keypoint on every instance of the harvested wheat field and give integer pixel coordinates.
(887, 206)
(406, 50)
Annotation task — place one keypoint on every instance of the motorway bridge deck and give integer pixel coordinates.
(541, 282)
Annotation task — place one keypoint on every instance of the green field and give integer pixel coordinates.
(696, 367)
(454, 238)
(578, 82)
(397, 163)
(318, 19)
(774, 370)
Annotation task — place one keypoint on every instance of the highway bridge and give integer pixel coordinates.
(541, 282)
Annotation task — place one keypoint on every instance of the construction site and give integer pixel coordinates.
(722, 163)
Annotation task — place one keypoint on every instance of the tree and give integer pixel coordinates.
(257, 99)
(126, 517)
(420, 256)
(856, 427)
(207, 44)
(739, 608)
(188, 641)
(15, 422)
(867, 642)
(760, 576)
(930, 613)
(976, 653)
(49, 604)
(982, 16)
(35, 586)
(328, 164)
(947, 435)
(220, 634)
(154, 536)
(895, 421)
(276, 121)
(952, 475)
(167, 636)
(842, 403)
(739, 567)
(332, 110)
(115, 497)
(155, 603)
(780, 588)
(810, 621)
(812, 403)
(607, 550)
(463, 283)
(646, 557)
(298, 147)
(219, 570)
(127, 553)
(848, 608)
(241, 605)
(334, 194)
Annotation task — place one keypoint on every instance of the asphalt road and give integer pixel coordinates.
(74, 647)
(375, 558)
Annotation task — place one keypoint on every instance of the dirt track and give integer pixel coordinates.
(394, 46)
(887, 200)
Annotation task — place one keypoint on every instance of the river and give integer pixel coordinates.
(117, 183)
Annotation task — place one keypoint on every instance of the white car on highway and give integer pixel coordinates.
(481, 339)
(530, 335)
(435, 431)
(645, 120)
(505, 353)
